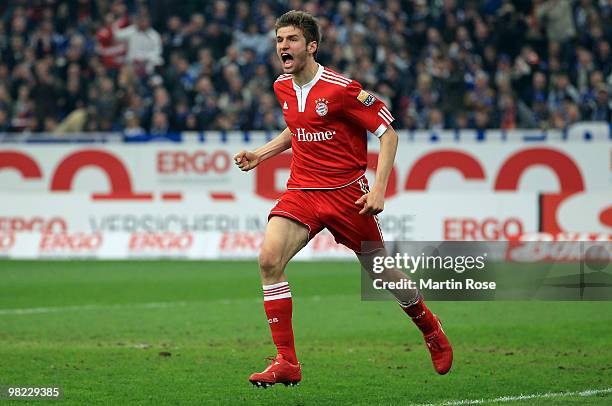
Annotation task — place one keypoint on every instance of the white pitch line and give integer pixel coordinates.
(60, 309)
(584, 393)
(150, 305)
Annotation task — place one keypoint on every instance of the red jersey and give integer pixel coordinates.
(111, 51)
(329, 118)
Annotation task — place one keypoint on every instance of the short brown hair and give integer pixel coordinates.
(305, 22)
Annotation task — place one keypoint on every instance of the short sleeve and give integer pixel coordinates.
(275, 88)
(366, 110)
(277, 91)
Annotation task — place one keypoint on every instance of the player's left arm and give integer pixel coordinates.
(371, 114)
(374, 201)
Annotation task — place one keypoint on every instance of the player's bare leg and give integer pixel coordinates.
(413, 305)
(406, 296)
(283, 239)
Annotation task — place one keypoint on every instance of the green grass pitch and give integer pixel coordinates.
(97, 328)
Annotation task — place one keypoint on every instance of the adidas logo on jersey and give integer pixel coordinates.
(285, 106)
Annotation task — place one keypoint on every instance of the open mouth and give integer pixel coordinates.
(287, 59)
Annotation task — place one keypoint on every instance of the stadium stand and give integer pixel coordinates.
(163, 66)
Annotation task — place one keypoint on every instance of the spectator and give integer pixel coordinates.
(45, 94)
(75, 89)
(173, 39)
(161, 102)
(106, 104)
(562, 90)
(600, 109)
(538, 92)
(132, 124)
(111, 50)
(253, 39)
(5, 121)
(572, 113)
(217, 37)
(180, 116)
(482, 96)
(604, 57)
(510, 28)
(179, 77)
(6, 102)
(584, 67)
(482, 119)
(236, 101)
(205, 107)
(508, 112)
(556, 16)
(160, 124)
(436, 120)
(144, 46)
(194, 35)
(23, 110)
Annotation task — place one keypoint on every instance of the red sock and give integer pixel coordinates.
(420, 315)
(278, 306)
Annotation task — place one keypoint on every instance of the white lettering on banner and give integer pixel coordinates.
(566, 236)
(19, 223)
(315, 136)
(400, 226)
(233, 232)
(198, 162)
(241, 242)
(160, 242)
(7, 241)
(70, 242)
(556, 251)
(325, 243)
(161, 223)
(487, 229)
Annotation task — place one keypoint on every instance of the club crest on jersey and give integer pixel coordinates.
(321, 107)
(366, 98)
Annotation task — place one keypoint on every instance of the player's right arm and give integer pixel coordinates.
(247, 160)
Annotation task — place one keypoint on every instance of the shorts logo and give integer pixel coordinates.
(366, 98)
(321, 107)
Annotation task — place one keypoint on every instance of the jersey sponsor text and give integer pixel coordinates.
(314, 136)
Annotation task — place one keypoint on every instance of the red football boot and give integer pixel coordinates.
(279, 371)
(439, 348)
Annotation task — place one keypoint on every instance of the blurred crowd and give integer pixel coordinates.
(163, 66)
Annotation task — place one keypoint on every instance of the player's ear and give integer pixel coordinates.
(312, 47)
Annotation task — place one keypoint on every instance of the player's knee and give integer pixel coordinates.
(270, 263)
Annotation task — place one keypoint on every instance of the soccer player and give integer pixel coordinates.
(328, 117)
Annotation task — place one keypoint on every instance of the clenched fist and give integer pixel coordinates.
(372, 203)
(246, 160)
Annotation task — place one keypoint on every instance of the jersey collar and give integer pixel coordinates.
(310, 84)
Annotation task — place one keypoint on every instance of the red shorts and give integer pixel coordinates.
(334, 209)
